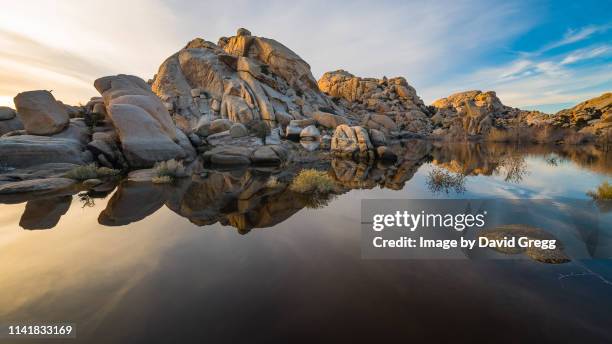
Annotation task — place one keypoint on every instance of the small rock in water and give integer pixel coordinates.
(310, 133)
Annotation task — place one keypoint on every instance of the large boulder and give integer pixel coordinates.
(328, 120)
(143, 141)
(142, 122)
(40, 113)
(351, 142)
(30, 150)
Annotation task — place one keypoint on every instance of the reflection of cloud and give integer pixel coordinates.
(39, 268)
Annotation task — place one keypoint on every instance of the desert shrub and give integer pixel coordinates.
(312, 181)
(167, 171)
(90, 171)
(440, 180)
(603, 192)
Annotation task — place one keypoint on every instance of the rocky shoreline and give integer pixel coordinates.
(250, 100)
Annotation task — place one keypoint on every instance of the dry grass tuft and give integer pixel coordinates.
(312, 181)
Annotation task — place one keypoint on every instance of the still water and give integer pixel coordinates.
(234, 256)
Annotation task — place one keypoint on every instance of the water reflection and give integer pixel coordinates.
(206, 281)
(260, 198)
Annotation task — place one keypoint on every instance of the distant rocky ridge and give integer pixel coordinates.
(241, 101)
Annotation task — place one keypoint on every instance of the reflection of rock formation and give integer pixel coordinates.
(508, 160)
(241, 198)
(130, 203)
(367, 175)
(44, 213)
(548, 256)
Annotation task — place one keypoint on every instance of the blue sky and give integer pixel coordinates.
(542, 55)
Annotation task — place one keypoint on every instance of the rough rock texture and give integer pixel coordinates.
(591, 116)
(367, 100)
(142, 122)
(351, 142)
(40, 113)
(30, 150)
(471, 113)
(242, 78)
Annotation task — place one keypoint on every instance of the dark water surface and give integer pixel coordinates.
(236, 257)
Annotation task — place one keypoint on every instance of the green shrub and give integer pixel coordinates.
(168, 171)
(603, 192)
(312, 181)
(90, 171)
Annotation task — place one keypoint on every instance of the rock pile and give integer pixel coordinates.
(593, 116)
(471, 113)
(390, 105)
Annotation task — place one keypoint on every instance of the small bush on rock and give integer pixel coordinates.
(312, 181)
(168, 171)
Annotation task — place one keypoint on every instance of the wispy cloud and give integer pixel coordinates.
(585, 54)
(576, 35)
(542, 79)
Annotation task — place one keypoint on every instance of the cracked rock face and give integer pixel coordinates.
(386, 104)
(472, 112)
(242, 78)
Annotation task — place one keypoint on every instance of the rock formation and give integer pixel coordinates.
(593, 116)
(386, 104)
(242, 78)
(470, 113)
